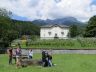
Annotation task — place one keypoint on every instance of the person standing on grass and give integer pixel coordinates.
(14, 56)
(30, 54)
(10, 53)
(18, 54)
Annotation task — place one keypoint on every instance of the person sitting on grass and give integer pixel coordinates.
(49, 60)
(44, 62)
(46, 59)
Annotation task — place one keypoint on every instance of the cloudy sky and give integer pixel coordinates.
(50, 9)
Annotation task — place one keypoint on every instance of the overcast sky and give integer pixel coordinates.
(50, 9)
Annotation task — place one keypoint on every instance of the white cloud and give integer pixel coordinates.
(43, 9)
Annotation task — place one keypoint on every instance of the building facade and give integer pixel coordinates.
(54, 31)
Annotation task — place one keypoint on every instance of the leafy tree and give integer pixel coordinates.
(34, 37)
(7, 33)
(73, 31)
(90, 30)
(26, 28)
(5, 13)
(12, 29)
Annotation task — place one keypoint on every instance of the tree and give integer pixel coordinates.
(5, 16)
(73, 31)
(7, 33)
(90, 30)
(5, 13)
(12, 29)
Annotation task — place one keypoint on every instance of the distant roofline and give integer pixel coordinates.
(52, 25)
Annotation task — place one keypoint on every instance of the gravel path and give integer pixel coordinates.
(25, 51)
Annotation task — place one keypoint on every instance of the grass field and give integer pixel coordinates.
(77, 43)
(65, 63)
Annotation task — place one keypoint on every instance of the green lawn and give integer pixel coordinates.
(65, 63)
(77, 43)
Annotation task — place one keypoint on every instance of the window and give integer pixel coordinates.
(56, 36)
(62, 33)
(49, 33)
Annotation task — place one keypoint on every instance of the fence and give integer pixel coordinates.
(3, 50)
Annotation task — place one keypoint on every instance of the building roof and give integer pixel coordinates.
(55, 25)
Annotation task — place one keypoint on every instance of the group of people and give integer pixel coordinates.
(17, 54)
(12, 53)
(46, 57)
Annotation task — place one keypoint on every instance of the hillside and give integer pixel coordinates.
(26, 27)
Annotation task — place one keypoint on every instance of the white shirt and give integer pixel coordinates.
(31, 53)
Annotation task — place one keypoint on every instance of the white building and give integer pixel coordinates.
(54, 31)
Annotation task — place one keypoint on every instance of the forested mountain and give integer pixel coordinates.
(25, 27)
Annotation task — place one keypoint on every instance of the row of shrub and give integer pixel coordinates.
(57, 43)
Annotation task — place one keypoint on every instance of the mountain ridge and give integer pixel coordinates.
(66, 21)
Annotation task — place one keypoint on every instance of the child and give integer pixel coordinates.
(30, 54)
